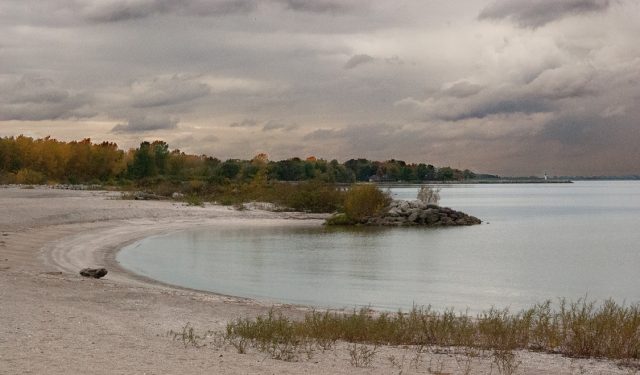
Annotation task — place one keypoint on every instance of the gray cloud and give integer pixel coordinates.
(572, 129)
(266, 126)
(246, 123)
(318, 6)
(394, 60)
(497, 102)
(210, 138)
(163, 91)
(278, 125)
(35, 98)
(546, 93)
(358, 60)
(139, 124)
(125, 10)
(536, 13)
(369, 140)
(189, 140)
(462, 89)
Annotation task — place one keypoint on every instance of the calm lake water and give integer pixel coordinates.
(538, 242)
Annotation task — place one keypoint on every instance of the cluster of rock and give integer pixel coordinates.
(57, 186)
(407, 213)
(261, 206)
(142, 196)
(76, 187)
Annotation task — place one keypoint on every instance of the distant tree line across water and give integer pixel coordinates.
(47, 160)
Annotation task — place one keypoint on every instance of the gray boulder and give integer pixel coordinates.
(413, 217)
(431, 219)
(404, 205)
(394, 211)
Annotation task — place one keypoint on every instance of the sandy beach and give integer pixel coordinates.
(53, 321)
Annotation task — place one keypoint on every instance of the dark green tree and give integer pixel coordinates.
(445, 174)
(161, 152)
(143, 164)
(230, 168)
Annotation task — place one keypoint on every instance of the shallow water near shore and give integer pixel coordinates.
(538, 242)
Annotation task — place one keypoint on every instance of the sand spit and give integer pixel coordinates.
(53, 321)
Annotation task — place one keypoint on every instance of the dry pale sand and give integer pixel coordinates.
(53, 321)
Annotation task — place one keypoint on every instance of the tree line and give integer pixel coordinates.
(37, 161)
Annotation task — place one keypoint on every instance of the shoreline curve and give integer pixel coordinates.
(69, 254)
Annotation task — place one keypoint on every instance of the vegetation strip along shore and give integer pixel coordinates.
(574, 329)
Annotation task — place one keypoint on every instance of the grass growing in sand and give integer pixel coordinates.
(575, 329)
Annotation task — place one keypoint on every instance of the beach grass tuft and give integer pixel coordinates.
(580, 328)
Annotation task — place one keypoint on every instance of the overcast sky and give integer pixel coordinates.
(513, 87)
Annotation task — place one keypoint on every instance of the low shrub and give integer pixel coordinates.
(578, 329)
(315, 197)
(339, 219)
(7, 178)
(30, 177)
(272, 334)
(305, 196)
(195, 186)
(364, 201)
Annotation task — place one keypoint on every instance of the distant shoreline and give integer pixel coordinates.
(471, 182)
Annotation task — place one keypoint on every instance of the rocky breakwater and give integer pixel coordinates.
(410, 213)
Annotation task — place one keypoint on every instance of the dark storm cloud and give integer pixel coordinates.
(536, 13)
(137, 124)
(35, 98)
(358, 60)
(163, 91)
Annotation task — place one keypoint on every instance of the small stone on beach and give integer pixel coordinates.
(95, 273)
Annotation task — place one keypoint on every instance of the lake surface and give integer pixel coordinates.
(538, 242)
